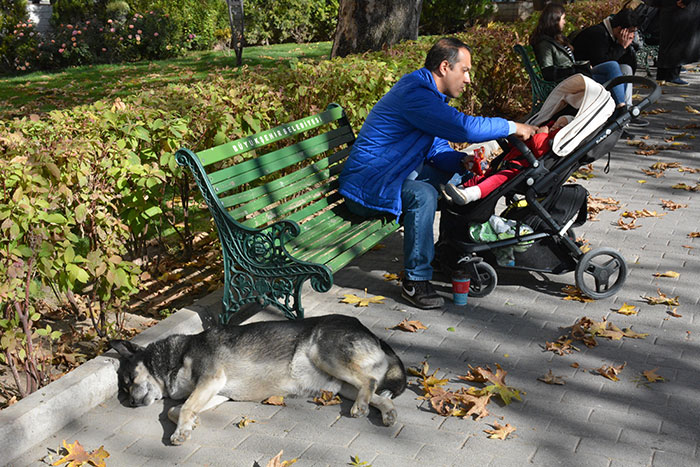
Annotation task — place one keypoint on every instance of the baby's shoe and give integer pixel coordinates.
(461, 196)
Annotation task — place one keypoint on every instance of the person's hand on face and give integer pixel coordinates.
(625, 37)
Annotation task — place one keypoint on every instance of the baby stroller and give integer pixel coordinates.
(541, 208)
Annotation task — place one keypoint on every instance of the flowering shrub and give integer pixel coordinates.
(150, 36)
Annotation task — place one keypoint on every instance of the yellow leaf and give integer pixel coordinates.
(673, 274)
(692, 110)
(574, 293)
(626, 309)
(358, 301)
(278, 462)
(245, 421)
(77, 456)
(327, 398)
(274, 400)
(391, 277)
(641, 181)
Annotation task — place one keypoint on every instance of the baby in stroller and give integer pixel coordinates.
(481, 185)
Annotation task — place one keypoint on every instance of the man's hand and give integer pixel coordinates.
(524, 131)
(625, 37)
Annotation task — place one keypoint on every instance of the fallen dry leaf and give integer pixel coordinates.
(662, 299)
(574, 293)
(683, 186)
(361, 301)
(389, 276)
(409, 326)
(651, 375)
(562, 346)
(611, 371)
(673, 274)
(627, 226)
(642, 213)
(500, 432)
(498, 386)
(674, 314)
(245, 421)
(626, 309)
(278, 462)
(595, 205)
(77, 456)
(551, 378)
(628, 332)
(691, 110)
(327, 398)
(574, 365)
(694, 235)
(275, 400)
(671, 206)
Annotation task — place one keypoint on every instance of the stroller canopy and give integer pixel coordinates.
(594, 104)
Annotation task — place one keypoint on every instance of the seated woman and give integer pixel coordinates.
(555, 54)
(480, 186)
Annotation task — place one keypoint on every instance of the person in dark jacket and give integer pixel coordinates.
(679, 41)
(611, 40)
(555, 54)
(402, 156)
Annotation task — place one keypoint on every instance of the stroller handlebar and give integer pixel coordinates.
(649, 99)
(524, 150)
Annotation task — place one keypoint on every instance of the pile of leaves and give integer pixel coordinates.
(586, 330)
(466, 402)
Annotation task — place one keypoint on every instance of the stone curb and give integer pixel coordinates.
(49, 409)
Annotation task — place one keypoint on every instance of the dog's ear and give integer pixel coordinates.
(125, 348)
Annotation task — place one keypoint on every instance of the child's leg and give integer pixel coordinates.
(477, 187)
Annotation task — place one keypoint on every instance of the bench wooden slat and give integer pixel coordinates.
(259, 140)
(277, 189)
(253, 169)
(363, 246)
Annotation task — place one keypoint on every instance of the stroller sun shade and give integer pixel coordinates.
(595, 105)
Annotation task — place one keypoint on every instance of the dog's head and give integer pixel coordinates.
(134, 376)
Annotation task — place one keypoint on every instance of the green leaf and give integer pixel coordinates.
(451, 329)
(80, 213)
(76, 273)
(69, 254)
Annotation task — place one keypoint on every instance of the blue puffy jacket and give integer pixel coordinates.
(410, 125)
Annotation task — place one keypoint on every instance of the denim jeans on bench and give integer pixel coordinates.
(604, 72)
(419, 196)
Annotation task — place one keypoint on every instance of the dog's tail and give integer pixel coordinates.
(394, 382)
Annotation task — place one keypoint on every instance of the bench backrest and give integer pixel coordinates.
(295, 179)
(540, 87)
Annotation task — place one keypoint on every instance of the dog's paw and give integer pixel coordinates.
(180, 436)
(359, 410)
(389, 417)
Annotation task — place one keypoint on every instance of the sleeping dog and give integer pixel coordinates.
(253, 362)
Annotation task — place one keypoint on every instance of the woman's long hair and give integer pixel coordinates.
(548, 25)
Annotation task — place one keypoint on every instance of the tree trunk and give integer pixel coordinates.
(373, 24)
(235, 18)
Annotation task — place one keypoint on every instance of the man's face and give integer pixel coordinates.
(456, 78)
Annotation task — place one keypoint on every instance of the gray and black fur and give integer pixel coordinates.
(256, 361)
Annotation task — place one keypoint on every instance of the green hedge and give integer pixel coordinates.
(83, 189)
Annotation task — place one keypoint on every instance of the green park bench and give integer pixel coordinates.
(540, 87)
(281, 221)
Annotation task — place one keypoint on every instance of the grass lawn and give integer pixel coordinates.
(41, 92)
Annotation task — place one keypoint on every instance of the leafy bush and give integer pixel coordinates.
(450, 16)
(13, 14)
(290, 21)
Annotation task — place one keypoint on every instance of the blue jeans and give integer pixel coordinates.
(606, 71)
(419, 196)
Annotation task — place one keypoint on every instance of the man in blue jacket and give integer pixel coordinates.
(402, 155)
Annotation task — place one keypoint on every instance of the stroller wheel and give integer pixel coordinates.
(601, 272)
(485, 280)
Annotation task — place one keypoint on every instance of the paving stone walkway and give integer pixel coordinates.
(589, 421)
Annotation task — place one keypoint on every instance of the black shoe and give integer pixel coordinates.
(421, 294)
(677, 81)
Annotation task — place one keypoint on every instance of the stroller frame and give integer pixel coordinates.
(536, 184)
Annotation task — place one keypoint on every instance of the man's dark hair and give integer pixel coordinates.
(446, 48)
(626, 18)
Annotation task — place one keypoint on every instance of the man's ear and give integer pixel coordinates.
(444, 66)
(125, 348)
